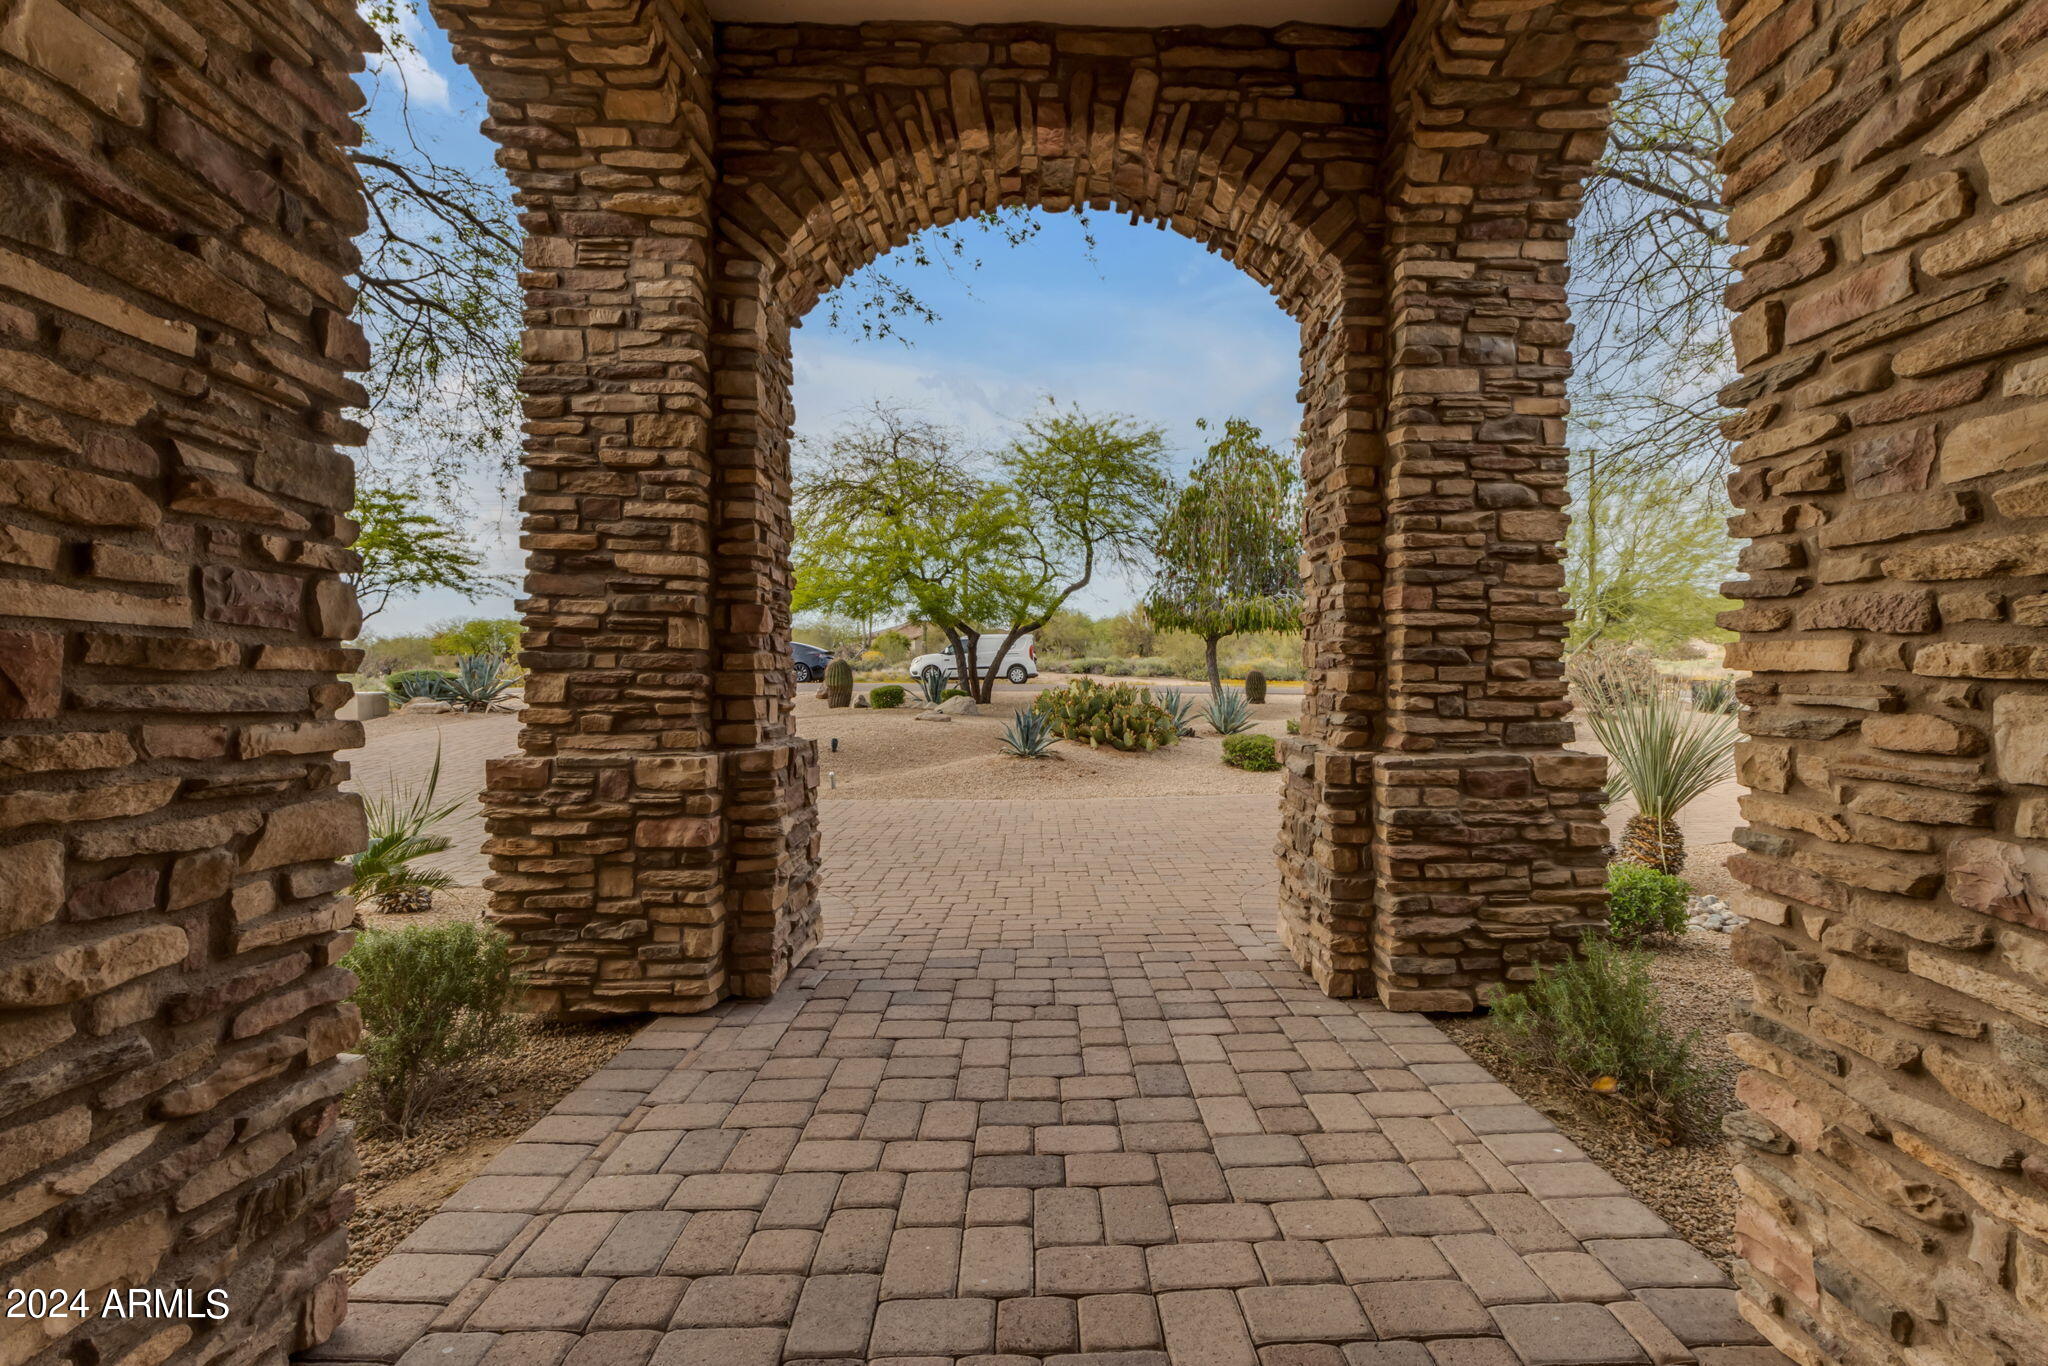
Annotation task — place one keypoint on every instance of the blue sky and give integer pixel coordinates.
(1144, 323)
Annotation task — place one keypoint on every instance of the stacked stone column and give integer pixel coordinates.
(176, 209)
(652, 849)
(1890, 194)
(1484, 835)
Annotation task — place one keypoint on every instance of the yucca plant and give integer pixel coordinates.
(480, 680)
(400, 835)
(1665, 754)
(1228, 713)
(1177, 705)
(1029, 736)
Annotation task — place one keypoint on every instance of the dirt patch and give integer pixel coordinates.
(1691, 1186)
(404, 1180)
(892, 755)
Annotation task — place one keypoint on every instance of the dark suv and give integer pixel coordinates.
(808, 660)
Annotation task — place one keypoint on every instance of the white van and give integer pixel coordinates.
(1019, 665)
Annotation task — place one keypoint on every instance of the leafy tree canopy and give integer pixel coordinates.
(1230, 546)
(407, 547)
(479, 636)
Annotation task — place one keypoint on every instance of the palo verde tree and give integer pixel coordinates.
(1645, 556)
(405, 547)
(892, 515)
(1229, 548)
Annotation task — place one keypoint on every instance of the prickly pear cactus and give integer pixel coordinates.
(1255, 687)
(838, 684)
(1122, 717)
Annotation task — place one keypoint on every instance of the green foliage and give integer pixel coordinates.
(480, 681)
(888, 697)
(932, 683)
(892, 517)
(384, 655)
(951, 692)
(893, 646)
(1643, 903)
(1596, 1019)
(1029, 736)
(1228, 713)
(1294, 725)
(1645, 555)
(839, 683)
(1255, 687)
(1664, 753)
(480, 636)
(406, 547)
(1117, 715)
(1714, 694)
(1179, 707)
(1229, 549)
(408, 685)
(1253, 752)
(401, 833)
(434, 999)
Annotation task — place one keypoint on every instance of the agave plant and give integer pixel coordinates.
(1228, 713)
(480, 681)
(1665, 754)
(400, 835)
(1177, 705)
(1029, 736)
(932, 683)
(1714, 694)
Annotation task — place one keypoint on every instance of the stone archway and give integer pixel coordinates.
(691, 189)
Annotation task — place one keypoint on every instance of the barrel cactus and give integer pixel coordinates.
(1120, 716)
(1255, 687)
(838, 684)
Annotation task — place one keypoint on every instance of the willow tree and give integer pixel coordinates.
(1229, 548)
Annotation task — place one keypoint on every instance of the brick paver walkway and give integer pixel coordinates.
(1049, 1093)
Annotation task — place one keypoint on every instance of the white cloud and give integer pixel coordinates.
(405, 64)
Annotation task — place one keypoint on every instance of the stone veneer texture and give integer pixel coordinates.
(691, 189)
(175, 215)
(1888, 171)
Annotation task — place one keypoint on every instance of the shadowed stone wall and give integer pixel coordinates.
(691, 190)
(1889, 185)
(175, 215)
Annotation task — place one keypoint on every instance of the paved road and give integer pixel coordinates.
(1050, 1088)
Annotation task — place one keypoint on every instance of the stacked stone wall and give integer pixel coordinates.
(175, 215)
(1889, 191)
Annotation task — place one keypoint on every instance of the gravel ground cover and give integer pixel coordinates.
(1692, 1186)
(892, 754)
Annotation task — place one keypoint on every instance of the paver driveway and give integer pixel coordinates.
(1049, 1092)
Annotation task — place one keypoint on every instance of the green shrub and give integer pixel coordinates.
(839, 684)
(1117, 715)
(1253, 752)
(1596, 1019)
(1643, 903)
(1294, 725)
(1254, 687)
(887, 697)
(950, 693)
(434, 1000)
(409, 685)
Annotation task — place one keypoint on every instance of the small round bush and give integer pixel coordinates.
(887, 696)
(435, 999)
(1294, 725)
(1252, 752)
(951, 693)
(408, 685)
(1644, 903)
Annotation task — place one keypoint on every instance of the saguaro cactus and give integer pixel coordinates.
(1255, 687)
(838, 684)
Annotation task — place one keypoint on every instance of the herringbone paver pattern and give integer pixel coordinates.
(1049, 1093)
